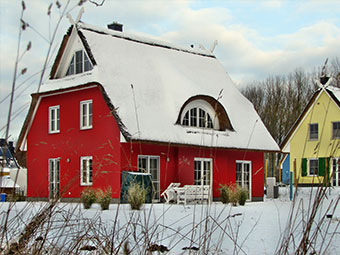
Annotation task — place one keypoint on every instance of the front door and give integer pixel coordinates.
(243, 175)
(202, 171)
(54, 178)
(336, 172)
(150, 164)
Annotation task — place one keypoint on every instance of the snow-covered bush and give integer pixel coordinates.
(88, 197)
(136, 196)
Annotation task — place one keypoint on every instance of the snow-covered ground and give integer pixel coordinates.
(255, 228)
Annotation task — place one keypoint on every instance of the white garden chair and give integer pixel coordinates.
(169, 194)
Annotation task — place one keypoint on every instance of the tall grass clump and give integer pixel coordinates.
(136, 196)
(88, 197)
(243, 195)
(224, 194)
(234, 194)
(104, 198)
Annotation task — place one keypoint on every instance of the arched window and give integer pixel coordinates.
(197, 117)
(199, 113)
(203, 111)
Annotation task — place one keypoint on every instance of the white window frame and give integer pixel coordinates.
(88, 170)
(335, 181)
(155, 183)
(337, 136)
(87, 115)
(205, 106)
(248, 162)
(73, 63)
(313, 134)
(53, 120)
(309, 165)
(54, 180)
(202, 160)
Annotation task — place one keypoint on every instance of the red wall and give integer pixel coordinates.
(101, 142)
(180, 166)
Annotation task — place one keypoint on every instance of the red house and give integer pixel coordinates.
(117, 102)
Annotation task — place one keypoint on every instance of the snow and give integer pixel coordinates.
(335, 91)
(6, 182)
(257, 227)
(153, 80)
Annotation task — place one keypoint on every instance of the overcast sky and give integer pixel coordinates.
(256, 39)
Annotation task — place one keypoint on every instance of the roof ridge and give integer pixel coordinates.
(144, 40)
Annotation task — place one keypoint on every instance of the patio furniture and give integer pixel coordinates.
(193, 193)
(170, 194)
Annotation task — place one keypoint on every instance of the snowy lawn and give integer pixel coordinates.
(255, 228)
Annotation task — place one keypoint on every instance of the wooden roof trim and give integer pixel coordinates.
(60, 53)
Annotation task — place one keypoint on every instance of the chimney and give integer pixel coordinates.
(115, 26)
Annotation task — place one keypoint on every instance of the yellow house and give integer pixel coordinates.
(314, 140)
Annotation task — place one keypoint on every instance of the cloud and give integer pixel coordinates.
(272, 3)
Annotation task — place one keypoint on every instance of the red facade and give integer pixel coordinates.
(110, 156)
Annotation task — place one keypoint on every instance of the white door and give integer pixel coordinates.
(243, 175)
(54, 178)
(150, 164)
(202, 171)
(336, 172)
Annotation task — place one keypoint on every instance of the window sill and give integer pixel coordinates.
(54, 132)
(85, 128)
(86, 184)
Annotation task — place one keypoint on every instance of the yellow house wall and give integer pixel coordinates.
(324, 111)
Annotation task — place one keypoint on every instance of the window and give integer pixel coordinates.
(336, 172)
(197, 117)
(150, 164)
(243, 175)
(79, 63)
(54, 177)
(336, 130)
(86, 114)
(54, 119)
(202, 171)
(313, 131)
(313, 167)
(86, 170)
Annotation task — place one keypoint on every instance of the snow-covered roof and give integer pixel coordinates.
(148, 82)
(336, 92)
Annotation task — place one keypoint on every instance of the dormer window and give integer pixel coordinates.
(79, 63)
(204, 112)
(197, 117)
(199, 113)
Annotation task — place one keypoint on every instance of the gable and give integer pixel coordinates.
(74, 56)
(322, 109)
